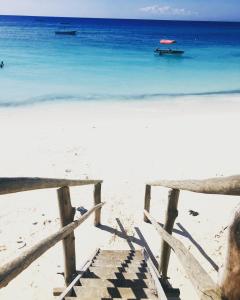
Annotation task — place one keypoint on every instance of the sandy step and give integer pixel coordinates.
(111, 258)
(120, 253)
(95, 282)
(121, 292)
(119, 258)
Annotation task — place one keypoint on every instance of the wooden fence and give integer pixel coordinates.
(13, 185)
(201, 281)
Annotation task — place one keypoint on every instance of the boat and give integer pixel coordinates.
(159, 51)
(167, 51)
(64, 32)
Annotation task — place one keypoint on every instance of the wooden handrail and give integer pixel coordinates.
(13, 268)
(20, 184)
(221, 185)
(202, 282)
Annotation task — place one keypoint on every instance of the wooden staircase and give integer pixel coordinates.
(126, 274)
(115, 274)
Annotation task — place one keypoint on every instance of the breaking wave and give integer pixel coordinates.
(107, 97)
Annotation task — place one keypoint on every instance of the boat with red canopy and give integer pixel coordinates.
(167, 51)
(167, 42)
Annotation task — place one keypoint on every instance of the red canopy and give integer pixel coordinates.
(167, 42)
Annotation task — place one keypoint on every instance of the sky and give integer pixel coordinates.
(207, 10)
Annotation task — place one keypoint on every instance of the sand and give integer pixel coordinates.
(125, 145)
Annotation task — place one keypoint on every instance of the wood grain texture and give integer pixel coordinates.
(97, 200)
(171, 216)
(147, 200)
(21, 184)
(220, 185)
(13, 268)
(202, 282)
(67, 216)
(230, 285)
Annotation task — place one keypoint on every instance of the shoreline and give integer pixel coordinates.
(205, 98)
(172, 104)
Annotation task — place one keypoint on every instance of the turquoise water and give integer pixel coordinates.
(114, 59)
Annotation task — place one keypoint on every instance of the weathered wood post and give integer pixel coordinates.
(147, 200)
(97, 200)
(171, 216)
(230, 287)
(67, 213)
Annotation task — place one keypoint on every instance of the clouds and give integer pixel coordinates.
(166, 10)
(213, 10)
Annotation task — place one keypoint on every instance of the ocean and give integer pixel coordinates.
(111, 59)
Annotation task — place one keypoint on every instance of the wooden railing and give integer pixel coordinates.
(201, 281)
(12, 185)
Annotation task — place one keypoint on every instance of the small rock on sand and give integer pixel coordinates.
(193, 213)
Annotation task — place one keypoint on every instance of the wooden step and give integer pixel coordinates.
(123, 259)
(100, 298)
(120, 251)
(110, 253)
(139, 264)
(119, 258)
(114, 273)
(120, 254)
(110, 292)
(95, 282)
(112, 258)
(114, 269)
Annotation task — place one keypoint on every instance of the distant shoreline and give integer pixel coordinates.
(154, 20)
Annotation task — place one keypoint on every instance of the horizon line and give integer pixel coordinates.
(114, 18)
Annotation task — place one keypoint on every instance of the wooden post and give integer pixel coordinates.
(229, 286)
(147, 200)
(171, 216)
(97, 200)
(67, 216)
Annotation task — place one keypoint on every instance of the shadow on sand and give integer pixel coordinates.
(131, 240)
(183, 232)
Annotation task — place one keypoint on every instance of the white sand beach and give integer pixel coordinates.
(125, 145)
